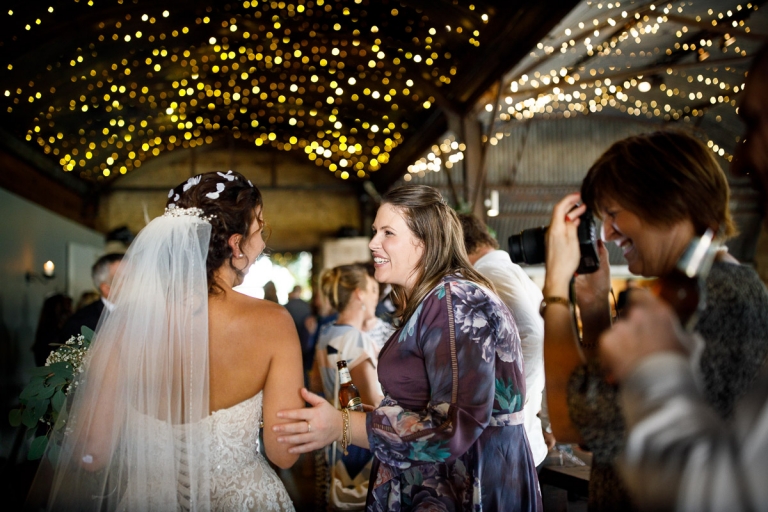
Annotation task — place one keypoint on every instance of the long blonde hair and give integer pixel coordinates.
(437, 226)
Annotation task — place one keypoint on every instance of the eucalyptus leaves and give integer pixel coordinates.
(43, 399)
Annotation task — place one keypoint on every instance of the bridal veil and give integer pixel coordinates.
(133, 437)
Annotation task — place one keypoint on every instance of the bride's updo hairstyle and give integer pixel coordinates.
(229, 201)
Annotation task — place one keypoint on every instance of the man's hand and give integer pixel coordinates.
(650, 327)
(549, 439)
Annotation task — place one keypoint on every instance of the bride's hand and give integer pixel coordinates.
(316, 426)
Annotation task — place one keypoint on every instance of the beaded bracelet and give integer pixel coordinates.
(345, 434)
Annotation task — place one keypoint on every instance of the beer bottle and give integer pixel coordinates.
(349, 396)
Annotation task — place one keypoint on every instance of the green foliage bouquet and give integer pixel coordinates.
(42, 400)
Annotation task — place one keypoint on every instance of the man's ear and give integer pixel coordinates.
(234, 244)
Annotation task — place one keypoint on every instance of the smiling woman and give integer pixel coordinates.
(655, 193)
(395, 249)
(453, 374)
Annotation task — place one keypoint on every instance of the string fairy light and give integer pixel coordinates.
(609, 46)
(296, 75)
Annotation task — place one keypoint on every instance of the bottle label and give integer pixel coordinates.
(355, 404)
(344, 376)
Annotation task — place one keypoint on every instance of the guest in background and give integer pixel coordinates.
(354, 294)
(56, 310)
(655, 193)
(87, 298)
(102, 272)
(522, 297)
(322, 314)
(377, 328)
(300, 311)
(270, 292)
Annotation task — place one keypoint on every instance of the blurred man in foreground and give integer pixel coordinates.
(679, 453)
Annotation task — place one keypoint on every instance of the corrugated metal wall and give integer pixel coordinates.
(536, 163)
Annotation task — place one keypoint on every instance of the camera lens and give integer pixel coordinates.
(528, 246)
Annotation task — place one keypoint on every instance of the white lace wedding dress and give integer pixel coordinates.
(241, 477)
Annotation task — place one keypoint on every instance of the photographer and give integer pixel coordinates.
(654, 193)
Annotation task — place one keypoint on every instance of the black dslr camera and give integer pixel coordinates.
(528, 246)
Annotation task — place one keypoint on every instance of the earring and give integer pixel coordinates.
(364, 308)
(240, 255)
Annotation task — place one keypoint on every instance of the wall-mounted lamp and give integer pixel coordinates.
(48, 273)
(493, 204)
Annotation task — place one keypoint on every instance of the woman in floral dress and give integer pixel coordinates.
(449, 433)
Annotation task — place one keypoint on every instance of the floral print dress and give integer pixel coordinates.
(449, 434)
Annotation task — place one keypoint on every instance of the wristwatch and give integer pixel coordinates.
(553, 300)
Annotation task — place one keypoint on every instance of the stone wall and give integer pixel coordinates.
(303, 203)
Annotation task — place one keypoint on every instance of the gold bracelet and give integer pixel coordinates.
(345, 432)
(547, 301)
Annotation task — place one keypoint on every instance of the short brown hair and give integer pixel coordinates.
(437, 226)
(476, 233)
(664, 177)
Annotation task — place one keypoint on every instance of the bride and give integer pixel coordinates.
(166, 415)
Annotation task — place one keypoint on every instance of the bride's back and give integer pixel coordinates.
(253, 347)
(253, 344)
(246, 337)
(179, 345)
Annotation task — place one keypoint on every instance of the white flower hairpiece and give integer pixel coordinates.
(228, 176)
(173, 211)
(191, 182)
(219, 190)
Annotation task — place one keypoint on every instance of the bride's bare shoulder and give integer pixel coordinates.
(258, 315)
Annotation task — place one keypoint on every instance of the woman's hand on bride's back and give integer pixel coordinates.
(315, 427)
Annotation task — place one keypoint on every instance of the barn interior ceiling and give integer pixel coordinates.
(675, 63)
(92, 89)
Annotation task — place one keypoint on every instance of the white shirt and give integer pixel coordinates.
(336, 342)
(523, 297)
(109, 305)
